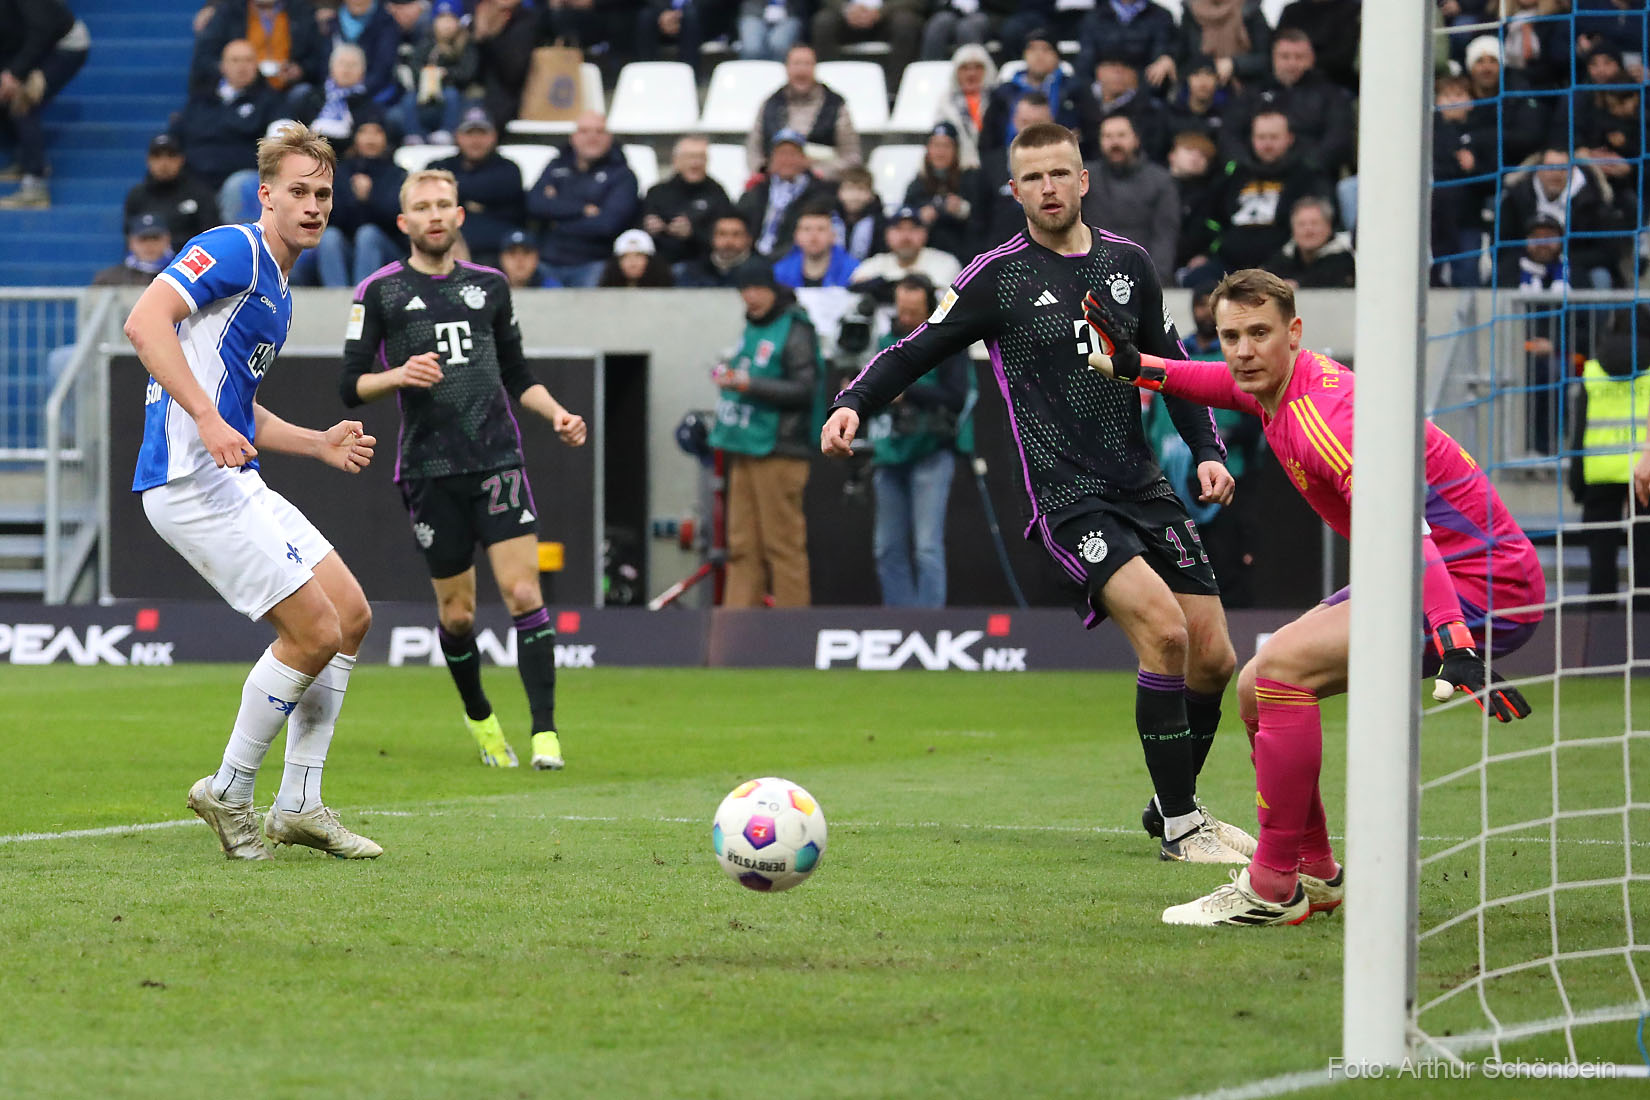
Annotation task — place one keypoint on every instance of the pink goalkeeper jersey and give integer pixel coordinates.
(1471, 546)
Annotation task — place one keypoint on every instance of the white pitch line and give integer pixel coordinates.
(107, 830)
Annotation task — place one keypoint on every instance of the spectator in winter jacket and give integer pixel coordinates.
(635, 263)
(1572, 196)
(973, 75)
(505, 33)
(940, 193)
(518, 258)
(860, 221)
(1133, 197)
(1192, 167)
(362, 235)
(679, 211)
(1316, 255)
(907, 254)
(809, 108)
(148, 251)
(1332, 26)
(219, 127)
(895, 22)
(816, 259)
(330, 109)
(185, 205)
(489, 185)
(586, 198)
(42, 47)
(369, 24)
(771, 207)
(1116, 91)
(958, 23)
(1144, 34)
(730, 247)
(1068, 97)
(288, 44)
(446, 70)
(1510, 113)
(1320, 113)
(1459, 153)
(1199, 102)
(1258, 192)
(1233, 34)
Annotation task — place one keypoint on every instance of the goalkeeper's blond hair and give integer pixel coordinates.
(1253, 287)
(293, 139)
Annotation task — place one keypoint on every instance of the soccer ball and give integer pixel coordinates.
(769, 834)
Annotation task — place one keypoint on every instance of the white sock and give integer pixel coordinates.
(1176, 827)
(309, 735)
(270, 694)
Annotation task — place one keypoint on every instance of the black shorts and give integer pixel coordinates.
(450, 515)
(1094, 538)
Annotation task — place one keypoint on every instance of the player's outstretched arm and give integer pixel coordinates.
(1205, 383)
(836, 439)
(570, 427)
(152, 329)
(345, 446)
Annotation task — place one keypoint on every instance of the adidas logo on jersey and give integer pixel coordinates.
(416, 303)
(1046, 298)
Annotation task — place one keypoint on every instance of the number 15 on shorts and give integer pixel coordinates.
(1192, 538)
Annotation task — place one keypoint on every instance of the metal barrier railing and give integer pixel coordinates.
(76, 460)
(36, 323)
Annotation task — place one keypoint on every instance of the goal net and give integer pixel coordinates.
(1528, 937)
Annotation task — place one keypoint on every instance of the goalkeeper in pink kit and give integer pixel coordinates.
(1473, 552)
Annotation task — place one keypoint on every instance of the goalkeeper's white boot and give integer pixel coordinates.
(1202, 845)
(318, 828)
(1325, 895)
(1238, 905)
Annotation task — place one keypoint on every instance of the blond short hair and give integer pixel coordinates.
(425, 175)
(1254, 287)
(293, 139)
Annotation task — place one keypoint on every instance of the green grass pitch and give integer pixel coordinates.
(984, 923)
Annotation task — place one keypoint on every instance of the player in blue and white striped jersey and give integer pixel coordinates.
(208, 329)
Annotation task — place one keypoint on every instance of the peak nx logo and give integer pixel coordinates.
(45, 643)
(412, 645)
(887, 650)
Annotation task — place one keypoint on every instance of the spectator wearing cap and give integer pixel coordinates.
(1333, 28)
(815, 259)
(362, 235)
(330, 109)
(770, 208)
(770, 399)
(148, 251)
(489, 185)
(585, 198)
(769, 28)
(370, 25)
(187, 206)
(1133, 197)
(1068, 99)
(286, 41)
(219, 127)
(1510, 116)
(1138, 32)
(447, 71)
(1320, 112)
(973, 75)
(1232, 34)
(505, 34)
(807, 108)
(940, 193)
(680, 210)
(1198, 102)
(730, 246)
(635, 263)
(898, 23)
(1316, 255)
(1116, 91)
(958, 23)
(907, 254)
(518, 258)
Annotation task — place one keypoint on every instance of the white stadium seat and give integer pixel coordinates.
(644, 162)
(655, 97)
(862, 84)
(531, 159)
(411, 158)
(893, 167)
(729, 168)
(595, 99)
(737, 89)
(922, 90)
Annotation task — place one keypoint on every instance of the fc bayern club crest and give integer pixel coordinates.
(1093, 548)
(473, 296)
(1122, 289)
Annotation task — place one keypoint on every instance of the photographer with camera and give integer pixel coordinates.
(913, 457)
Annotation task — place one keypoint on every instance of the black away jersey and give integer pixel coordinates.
(1078, 434)
(463, 424)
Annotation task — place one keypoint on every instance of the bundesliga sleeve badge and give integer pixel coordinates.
(195, 263)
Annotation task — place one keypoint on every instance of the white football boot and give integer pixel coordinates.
(235, 823)
(1202, 845)
(1237, 904)
(1325, 894)
(319, 829)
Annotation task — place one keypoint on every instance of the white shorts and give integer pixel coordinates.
(246, 539)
